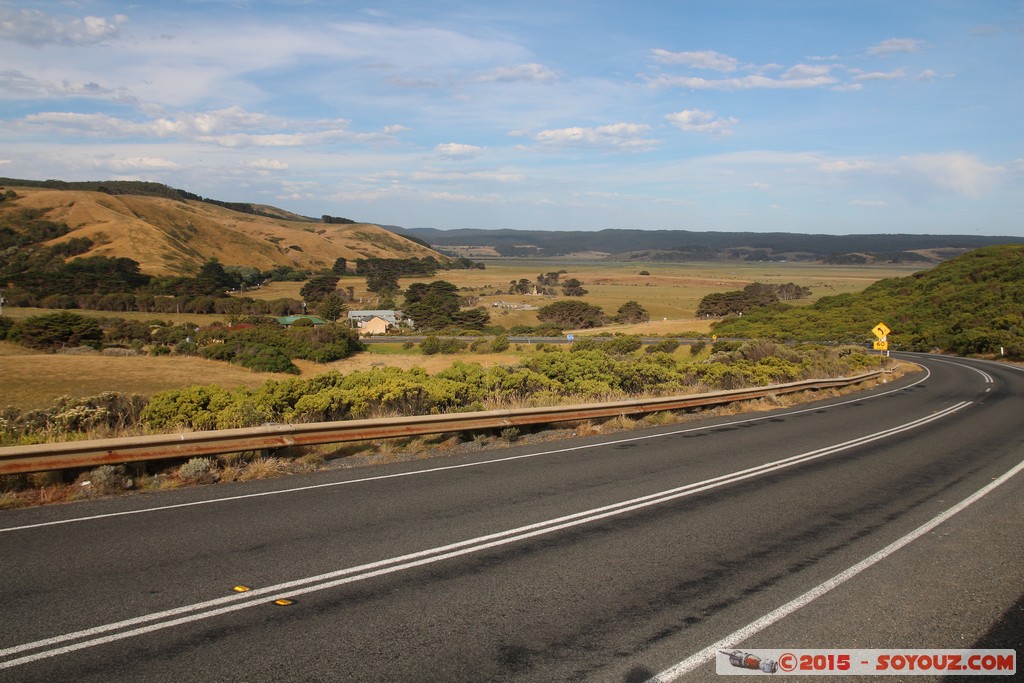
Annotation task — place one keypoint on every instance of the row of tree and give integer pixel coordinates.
(257, 342)
(754, 295)
(575, 315)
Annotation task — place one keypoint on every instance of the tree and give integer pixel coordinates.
(548, 279)
(382, 281)
(244, 276)
(754, 295)
(331, 307)
(572, 314)
(522, 286)
(318, 287)
(212, 280)
(573, 287)
(433, 305)
(55, 330)
(436, 305)
(632, 312)
(340, 266)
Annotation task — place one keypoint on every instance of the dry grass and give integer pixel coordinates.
(620, 423)
(167, 236)
(660, 418)
(670, 293)
(33, 380)
(265, 468)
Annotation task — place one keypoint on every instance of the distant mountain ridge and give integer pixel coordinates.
(169, 230)
(686, 245)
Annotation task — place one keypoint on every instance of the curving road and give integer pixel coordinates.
(886, 519)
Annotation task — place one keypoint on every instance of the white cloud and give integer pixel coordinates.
(18, 85)
(868, 202)
(705, 59)
(702, 122)
(537, 73)
(898, 74)
(922, 175)
(131, 164)
(896, 45)
(268, 165)
(413, 83)
(623, 136)
(848, 166)
(472, 176)
(796, 77)
(37, 28)
(454, 150)
(962, 174)
(229, 127)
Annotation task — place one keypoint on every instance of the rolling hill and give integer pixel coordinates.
(175, 234)
(973, 304)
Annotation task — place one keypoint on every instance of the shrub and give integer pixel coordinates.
(510, 434)
(107, 479)
(194, 407)
(666, 346)
(196, 469)
(623, 345)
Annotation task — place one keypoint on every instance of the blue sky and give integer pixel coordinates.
(806, 116)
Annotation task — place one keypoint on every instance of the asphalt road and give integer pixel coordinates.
(610, 558)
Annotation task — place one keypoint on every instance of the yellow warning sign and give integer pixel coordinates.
(881, 331)
(881, 346)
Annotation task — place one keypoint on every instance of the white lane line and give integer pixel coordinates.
(478, 463)
(737, 637)
(987, 377)
(291, 589)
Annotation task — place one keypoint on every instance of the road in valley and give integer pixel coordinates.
(610, 558)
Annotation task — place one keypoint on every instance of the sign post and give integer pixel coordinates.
(882, 343)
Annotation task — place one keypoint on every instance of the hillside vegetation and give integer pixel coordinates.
(169, 233)
(973, 304)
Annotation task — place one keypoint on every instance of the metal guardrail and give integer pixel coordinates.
(91, 453)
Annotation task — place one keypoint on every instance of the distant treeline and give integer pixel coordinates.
(686, 245)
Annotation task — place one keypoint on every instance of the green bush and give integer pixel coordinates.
(666, 346)
(195, 407)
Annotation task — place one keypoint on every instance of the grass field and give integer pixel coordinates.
(670, 293)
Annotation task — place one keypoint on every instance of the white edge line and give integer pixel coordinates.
(455, 467)
(754, 627)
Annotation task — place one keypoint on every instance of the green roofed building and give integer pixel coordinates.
(290, 320)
